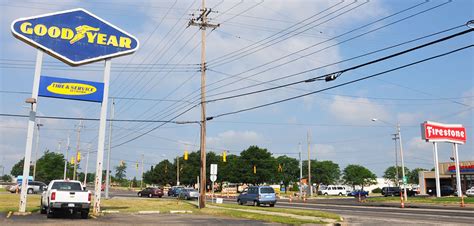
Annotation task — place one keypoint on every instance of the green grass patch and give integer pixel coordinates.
(144, 204)
(257, 216)
(299, 212)
(11, 202)
(428, 200)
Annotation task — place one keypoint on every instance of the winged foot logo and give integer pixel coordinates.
(91, 34)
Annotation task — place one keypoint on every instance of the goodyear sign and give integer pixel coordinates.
(71, 89)
(75, 36)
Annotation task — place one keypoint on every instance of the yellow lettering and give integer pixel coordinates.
(112, 40)
(40, 29)
(101, 39)
(66, 33)
(91, 37)
(26, 28)
(54, 32)
(125, 42)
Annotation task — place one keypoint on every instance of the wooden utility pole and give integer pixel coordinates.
(77, 149)
(141, 181)
(308, 136)
(201, 21)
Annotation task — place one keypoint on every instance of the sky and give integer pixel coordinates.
(256, 43)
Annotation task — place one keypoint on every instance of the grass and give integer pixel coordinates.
(428, 200)
(144, 204)
(11, 202)
(300, 212)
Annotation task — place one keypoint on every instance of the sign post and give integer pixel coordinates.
(451, 133)
(213, 179)
(75, 37)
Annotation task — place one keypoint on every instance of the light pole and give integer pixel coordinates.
(401, 153)
(38, 125)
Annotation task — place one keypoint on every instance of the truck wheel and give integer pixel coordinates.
(30, 190)
(85, 214)
(240, 202)
(49, 213)
(43, 209)
(340, 194)
(272, 204)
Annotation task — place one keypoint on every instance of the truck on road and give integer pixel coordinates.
(65, 195)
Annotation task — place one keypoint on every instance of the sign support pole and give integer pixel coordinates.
(107, 173)
(31, 127)
(101, 142)
(458, 173)
(435, 153)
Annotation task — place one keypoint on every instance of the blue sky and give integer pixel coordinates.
(164, 70)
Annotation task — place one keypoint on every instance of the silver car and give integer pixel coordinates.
(188, 193)
(470, 192)
(33, 187)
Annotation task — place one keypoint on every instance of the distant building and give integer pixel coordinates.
(447, 176)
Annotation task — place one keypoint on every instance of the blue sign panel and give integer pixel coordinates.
(71, 89)
(75, 36)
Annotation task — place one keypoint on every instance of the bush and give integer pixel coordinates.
(295, 187)
(377, 190)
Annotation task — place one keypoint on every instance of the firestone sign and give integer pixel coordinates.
(75, 36)
(437, 132)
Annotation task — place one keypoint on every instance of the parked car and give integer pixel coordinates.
(33, 187)
(258, 195)
(356, 193)
(333, 190)
(395, 191)
(174, 191)
(445, 191)
(188, 193)
(151, 192)
(65, 195)
(470, 192)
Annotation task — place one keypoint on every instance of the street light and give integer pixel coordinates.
(401, 152)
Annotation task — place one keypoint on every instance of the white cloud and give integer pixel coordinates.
(236, 140)
(416, 146)
(410, 118)
(356, 110)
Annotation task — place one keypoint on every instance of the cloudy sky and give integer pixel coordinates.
(260, 44)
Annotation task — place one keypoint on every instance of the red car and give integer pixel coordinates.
(151, 192)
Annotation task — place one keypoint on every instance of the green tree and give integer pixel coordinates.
(162, 173)
(50, 167)
(6, 178)
(358, 175)
(391, 174)
(265, 165)
(324, 172)
(413, 175)
(17, 169)
(288, 170)
(120, 171)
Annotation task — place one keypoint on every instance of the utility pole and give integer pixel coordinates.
(38, 125)
(395, 138)
(77, 149)
(403, 163)
(66, 155)
(309, 164)
(301, 170)
(107, 173)
(141, 181)
(202, 23)
(87, 164)
(177, 171)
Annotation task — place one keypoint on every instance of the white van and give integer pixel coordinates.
(333, 190)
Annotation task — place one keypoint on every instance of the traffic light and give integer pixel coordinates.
(121, 163)
(254, 169)
(280, 168)
(185, 155)
(78, 156)
(137, 165)
(224, 156)
(73, 160)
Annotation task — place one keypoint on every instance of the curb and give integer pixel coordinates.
(180, 211)
(21, 213)
(148, 212)
(110, 211)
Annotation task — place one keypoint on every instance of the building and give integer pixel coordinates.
(447, 176)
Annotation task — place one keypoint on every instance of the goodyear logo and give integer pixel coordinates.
(92, 34)
(71, 88)
(74, 36)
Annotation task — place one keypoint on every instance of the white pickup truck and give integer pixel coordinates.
(65, 195)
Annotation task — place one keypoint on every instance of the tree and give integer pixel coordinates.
(358, 175)
(17, 169)
(413, 175)
(287, 171)
(257, 165)
(391, 174)
(162, 173)
(50, 167)
(324, 172)
(6, 178)
(120, 171)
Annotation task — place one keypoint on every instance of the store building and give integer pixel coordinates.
(447, 176)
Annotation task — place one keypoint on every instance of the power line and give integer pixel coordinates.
(336, 74)
(339, 85)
